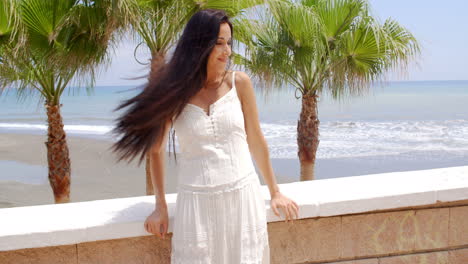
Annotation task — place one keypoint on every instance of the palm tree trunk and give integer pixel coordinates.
(57, 155)
(157, 60)
(308, 136)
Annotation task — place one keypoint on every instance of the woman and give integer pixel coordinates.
(220, 213)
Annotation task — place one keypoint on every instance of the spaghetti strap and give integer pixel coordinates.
(233, 83)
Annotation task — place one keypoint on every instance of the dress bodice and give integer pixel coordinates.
(213, 146)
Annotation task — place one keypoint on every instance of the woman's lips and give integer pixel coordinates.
(222, 59)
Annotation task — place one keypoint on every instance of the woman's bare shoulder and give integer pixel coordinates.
(241, 76)
(243, 84)
(243, 81)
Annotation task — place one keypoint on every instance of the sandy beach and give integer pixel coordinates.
(95, 172)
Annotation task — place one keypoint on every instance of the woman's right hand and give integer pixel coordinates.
(158, 221)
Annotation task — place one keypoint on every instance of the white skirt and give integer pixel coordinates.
(221, 224)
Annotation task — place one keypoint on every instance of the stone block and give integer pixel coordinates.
(378, 233)
(458, 256)
(458, 226)
(311, 239)
(45, 255)
(141, 250)
(431, 228)
(424, 258)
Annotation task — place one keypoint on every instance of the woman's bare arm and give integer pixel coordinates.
(157, 163)
(259, 149)
(255, 139)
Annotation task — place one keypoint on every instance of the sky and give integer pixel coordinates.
(441, 27)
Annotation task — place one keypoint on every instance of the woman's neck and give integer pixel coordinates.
(214, 78)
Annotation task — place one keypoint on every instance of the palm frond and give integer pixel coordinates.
(339, 15)
(161, 22)
(44, 19)
(11, 29)
(302, 25)
(324, 44)
(268, 52)
(8, 21)
(232, 7)
(401, 44)
(282, 43)
(366, 52)
(64, 41)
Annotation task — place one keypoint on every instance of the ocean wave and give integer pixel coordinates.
(72, 129)
(337, 139)
(365, 138)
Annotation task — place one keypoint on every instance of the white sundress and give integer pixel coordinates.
(220, 213)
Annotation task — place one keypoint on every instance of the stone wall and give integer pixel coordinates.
(429, 236)
(426, 236)
(407, 218)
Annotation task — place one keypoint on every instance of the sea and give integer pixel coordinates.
(394, 126)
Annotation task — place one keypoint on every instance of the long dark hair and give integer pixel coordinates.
(169, 88)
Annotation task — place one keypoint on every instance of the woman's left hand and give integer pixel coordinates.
(289, 207)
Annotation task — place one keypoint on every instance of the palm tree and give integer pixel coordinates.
(161, 22)
(322, 45)
(48, 45)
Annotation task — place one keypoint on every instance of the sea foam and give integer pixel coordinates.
(338, 139)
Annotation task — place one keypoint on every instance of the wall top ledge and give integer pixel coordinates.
(63, 224)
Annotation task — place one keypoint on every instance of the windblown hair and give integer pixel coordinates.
(169, 87)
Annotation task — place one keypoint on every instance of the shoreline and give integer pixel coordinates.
(96, 175)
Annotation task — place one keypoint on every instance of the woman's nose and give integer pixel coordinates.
(227, 50)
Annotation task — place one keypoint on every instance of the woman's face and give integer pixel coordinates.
(222, 50)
